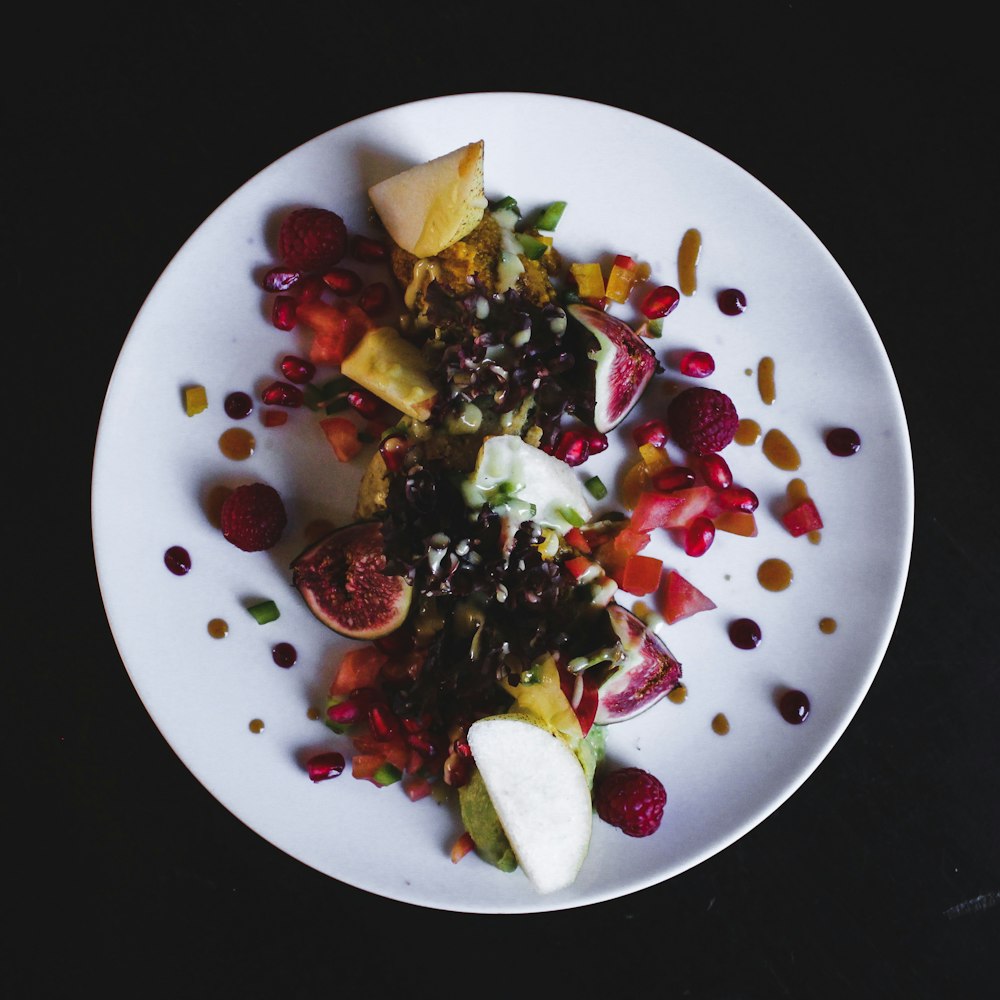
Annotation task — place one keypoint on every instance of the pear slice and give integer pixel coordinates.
(393, 368)
(432, 205)
(540, 793)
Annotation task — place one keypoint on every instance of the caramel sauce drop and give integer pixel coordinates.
(312, 712)
(747, 432)
(774, 574)
(218, 628)
(828, 626)
(678, 695)
(765, 380)
(780, 452)
(256, 725)
(687, 261)
(237, 444)
(720, 724)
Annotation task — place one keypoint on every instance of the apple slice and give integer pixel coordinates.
(624, 364)
(541, 796)
(647, 673)
(432, 205)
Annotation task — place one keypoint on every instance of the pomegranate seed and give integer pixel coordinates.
(677, 477)
(425, 745)
(368, 250)
(382, 723)
(715, 471)
(660, 301)
(597, 442)
(325, 765)
(310, 288)
(344, 712)
(653, 432)
(461, 747)
(280, 279)
(393, 450)
(297, 370)
(697, 364)
(731, 301)
(699, 536)
(282, 394)
(343, 281)
(375, 298)
(283, 312)
(412, 725)
(274, 418)
(366, 403)
(739, 498)
(573, 448)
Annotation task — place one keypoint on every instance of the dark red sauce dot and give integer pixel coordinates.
(731, 301)
(794, 706)
(284, 654)
(843, 441)
(238, 405)
(745, 633)
(177, 560)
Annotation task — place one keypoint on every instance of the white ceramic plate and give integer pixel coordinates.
(206, 321)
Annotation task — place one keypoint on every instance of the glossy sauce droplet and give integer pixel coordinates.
(843, 441)
(744, 633)
(732, 301)
(177, 560)
(284, 654)
(238, 405)
(218, 628)
(828, 626)
(678, 695)
(765, 381)
(794, 707)
(256, 726)
(780, 451)
(747, 432)
(312, 712)
(237, 444)
(687, 261)
(774, 574)
(720, 724)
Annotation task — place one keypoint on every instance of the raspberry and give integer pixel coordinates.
(253, 517)
(632, 800)
(312, 239)
(702, 421)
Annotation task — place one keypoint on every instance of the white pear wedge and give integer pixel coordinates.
(541, 796)
(432, 205)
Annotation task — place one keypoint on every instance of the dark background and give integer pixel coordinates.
(125, 127)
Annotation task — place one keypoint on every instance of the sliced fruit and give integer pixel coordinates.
(336, 329)
(343, 581)
(624, 364)
(523, 482)
(802, 518)
(432, 205)
(648, 672)
(541, 796)
(681, 598)
(393, 368)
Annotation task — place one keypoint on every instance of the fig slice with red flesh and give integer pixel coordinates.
(343, 581)
(623, 364)
(647, 672)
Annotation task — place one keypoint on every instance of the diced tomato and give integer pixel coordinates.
(359, 668)
(696, 501)
(640, 574)
(802, 518)
(417, 788)
(343, 437)
(578, 540)
(655, 509)
(681, 598)
(461, 847)
(578, 565)
(364, 765)
(336, 327)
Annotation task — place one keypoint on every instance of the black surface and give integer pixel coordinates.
(126, 127)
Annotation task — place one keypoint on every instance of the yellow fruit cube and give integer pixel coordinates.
(589, 280)
(195, 399)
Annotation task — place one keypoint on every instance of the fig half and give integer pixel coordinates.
(623, 364)
(343, 581)
(648, 672)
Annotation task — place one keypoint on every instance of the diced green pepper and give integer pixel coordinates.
(596, 488)
(387, 774)
(550, 217)
(264, 612)
(572, 516)
(533, 247)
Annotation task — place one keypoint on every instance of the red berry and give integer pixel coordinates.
(253, 517)
(632, 800)
(702, 420)
(312, 239)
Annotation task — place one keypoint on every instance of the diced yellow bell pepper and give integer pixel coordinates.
(195, 399)
(622, 279)
(589, 280)
(655, 459)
